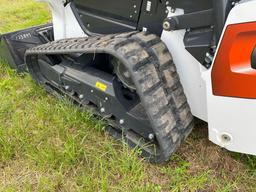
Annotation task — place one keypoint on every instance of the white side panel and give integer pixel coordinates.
(64, 21)
(189, 70)
(72, 27)
(232, 120)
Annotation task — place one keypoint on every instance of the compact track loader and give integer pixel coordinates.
(149, 67)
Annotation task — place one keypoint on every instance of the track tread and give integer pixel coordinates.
(155, 76)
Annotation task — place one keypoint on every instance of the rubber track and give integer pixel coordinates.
(154, 75)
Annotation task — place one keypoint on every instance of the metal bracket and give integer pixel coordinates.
(190, 20)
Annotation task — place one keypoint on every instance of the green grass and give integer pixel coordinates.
(18, 14)
(48, 144)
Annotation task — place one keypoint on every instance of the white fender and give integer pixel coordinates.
(64, 21)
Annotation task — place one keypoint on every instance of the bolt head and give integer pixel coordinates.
(67, 87)
(173, 10)
(81, 96)
(151, 136)
(166, 25)
(144, 29)
(121, 121)
(102, 110)
(226, 138)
